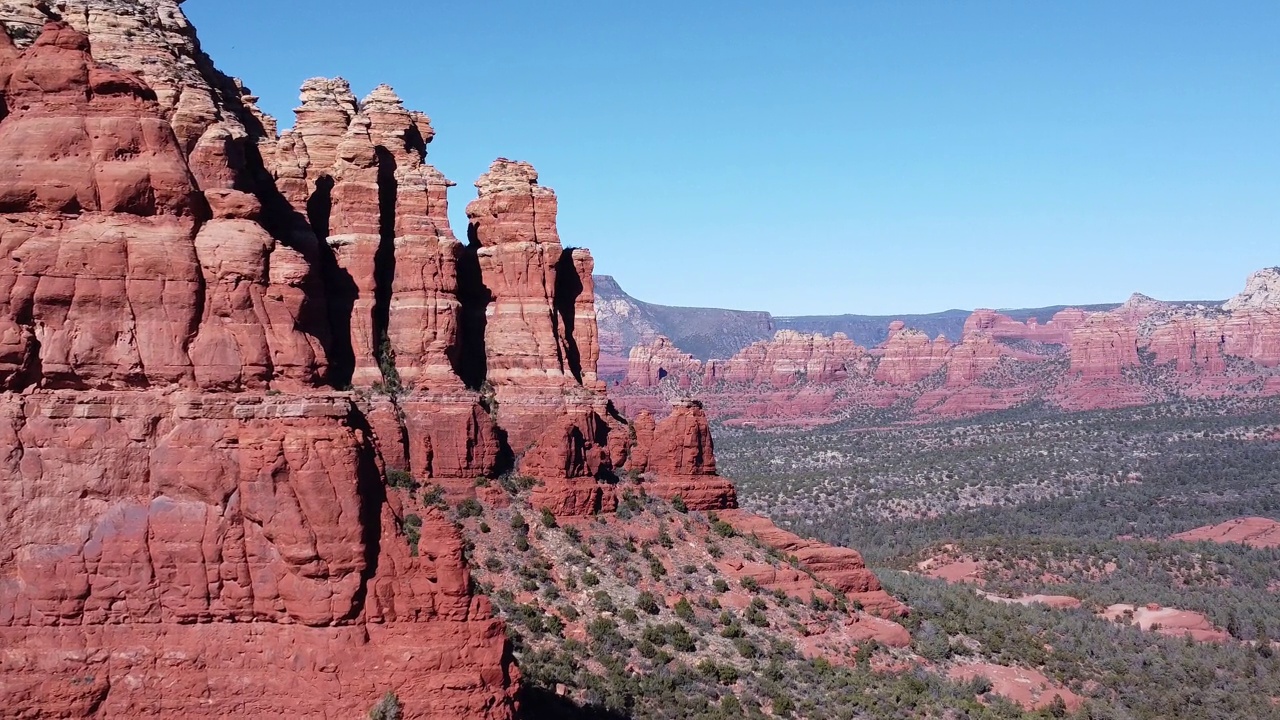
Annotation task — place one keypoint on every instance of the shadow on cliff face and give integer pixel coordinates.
(373, 495)
(474, 297)
(339, 285)
(542, 704)
(568, 288)
(384, 261)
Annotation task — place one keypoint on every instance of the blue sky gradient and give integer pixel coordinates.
(830, 157)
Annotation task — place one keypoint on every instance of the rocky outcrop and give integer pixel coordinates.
(909, 356)
(514, 223)
(650, 365)
(793, 358)
(1167, 621)
(545, 394)
(193, 516)
(1057, 331)
(575, 295)
(842, 568)
(1261, 292)
(973, 358)
(208, 533)
(677, 457)
(1103, 346)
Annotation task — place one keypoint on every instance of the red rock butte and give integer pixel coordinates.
(216, 339)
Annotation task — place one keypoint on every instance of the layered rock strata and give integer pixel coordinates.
(1142, 351)
(793, 358)
(649, 365)
(196, 523)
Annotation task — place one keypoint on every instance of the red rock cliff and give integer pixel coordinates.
(195, 522)
(910, 356)
(649, 365)
(792, 358)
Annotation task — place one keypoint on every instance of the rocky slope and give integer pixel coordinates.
(1143, 351)
(230, 357)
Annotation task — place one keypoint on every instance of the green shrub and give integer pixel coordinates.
(401, 479)
(647, 603)
(411, 526)
(603, 602)
(684, 610)
(388, 708)
(470, 507)
(433, 495)
(723, 529)
(680, 638)
(723, 674)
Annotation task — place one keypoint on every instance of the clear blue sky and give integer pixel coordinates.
(829, 157)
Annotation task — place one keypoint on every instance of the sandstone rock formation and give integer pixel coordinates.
(842, 568)
(1027, 687)
(909, 356)
(194, 519)
(679, 457)
(649, 365)
(792, 358)
(1056, 331)
(1261, 292)
(1167, 621)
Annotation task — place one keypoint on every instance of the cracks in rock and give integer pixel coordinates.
(286, 225)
